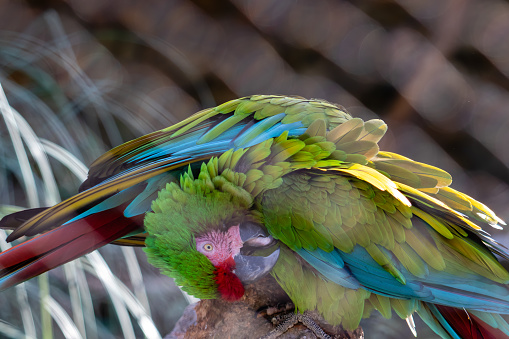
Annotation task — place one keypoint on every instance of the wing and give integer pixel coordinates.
(383, 233)
(160, 157)
(123, 183)
(232, 124)
(356, 235)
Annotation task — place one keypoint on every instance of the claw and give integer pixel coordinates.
(289, 320)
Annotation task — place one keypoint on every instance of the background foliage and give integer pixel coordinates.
(88, 75)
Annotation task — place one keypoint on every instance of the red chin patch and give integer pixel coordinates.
(229, 285)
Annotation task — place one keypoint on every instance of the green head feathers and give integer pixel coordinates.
(179, 214)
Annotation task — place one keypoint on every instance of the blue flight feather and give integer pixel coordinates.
(293, 129)
(143, 201)
(111, 202)
(220, 126)
(330, 265)
(376, 279)
(443, 322)
(438, 287)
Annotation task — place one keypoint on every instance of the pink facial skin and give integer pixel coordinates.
(220, 247)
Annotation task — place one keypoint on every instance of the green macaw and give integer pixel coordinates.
(290, 187)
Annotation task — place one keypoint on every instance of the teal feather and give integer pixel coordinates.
(443, 322)
(330, 265)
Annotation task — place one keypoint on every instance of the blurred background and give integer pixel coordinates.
(84, 76)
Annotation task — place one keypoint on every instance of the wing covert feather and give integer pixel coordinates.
(424, 254)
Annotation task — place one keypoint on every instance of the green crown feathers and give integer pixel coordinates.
(182, 211)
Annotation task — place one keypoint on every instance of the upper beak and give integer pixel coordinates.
(250, 267)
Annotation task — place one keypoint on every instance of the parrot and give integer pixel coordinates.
(289, 187)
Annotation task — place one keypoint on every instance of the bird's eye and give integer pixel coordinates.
(208, 247)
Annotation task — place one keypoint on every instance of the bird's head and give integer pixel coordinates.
(210, 241)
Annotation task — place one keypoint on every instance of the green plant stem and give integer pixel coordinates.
(46, 323)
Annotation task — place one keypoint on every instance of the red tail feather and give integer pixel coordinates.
(469, 326)
(63, 244)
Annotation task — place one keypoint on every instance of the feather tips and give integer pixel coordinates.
(64, 244)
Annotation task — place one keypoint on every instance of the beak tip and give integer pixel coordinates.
(250, 268)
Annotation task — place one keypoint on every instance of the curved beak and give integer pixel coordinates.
(250, 268)
(258, 255)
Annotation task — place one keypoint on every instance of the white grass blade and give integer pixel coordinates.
(8, 209)
(66, 158)
(81, 300)
(28, 135)
(76, 92)
(9, 331)
(25, 311)
(60, 129)
(61, 318)
(86, 300)
(19, 149)
(70, 270)
(20, 130)
(120, 294)
(133, 268)
(100, 269)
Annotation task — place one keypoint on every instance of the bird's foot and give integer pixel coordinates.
(267, 312)
(284, 322)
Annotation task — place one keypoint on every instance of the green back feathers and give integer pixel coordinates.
(328, 188)
(214, 122)
(262, 107)
(179, 214)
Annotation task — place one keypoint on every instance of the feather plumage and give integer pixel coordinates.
(358, 229)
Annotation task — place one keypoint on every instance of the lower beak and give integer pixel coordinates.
(249, 268)
(254, 260)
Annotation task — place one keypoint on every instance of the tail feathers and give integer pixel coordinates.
(12, 221)
(456, 323)
(467, 325)
(492, 319)
(63, 244)
(137, 240)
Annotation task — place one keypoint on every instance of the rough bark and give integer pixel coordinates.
(244, 319)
